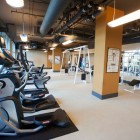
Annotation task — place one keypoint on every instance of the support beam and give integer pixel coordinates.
(49, 58)
(105, 84)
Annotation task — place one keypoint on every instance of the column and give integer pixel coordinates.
(105, 84)
(49, 60)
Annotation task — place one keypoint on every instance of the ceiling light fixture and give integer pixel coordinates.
(67, 42)
(101, 8)
(45, 51)
(23, 36)
(54, 45)
(76, 50)
(125, 19)
(26, 47)
(52, 48)
(15, 3)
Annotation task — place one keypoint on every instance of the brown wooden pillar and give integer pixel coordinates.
(49, 60)
(105, 84)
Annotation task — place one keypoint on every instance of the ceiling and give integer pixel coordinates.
(81, 29)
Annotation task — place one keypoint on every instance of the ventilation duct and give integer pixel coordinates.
(85, 10)
(54, 11)
(78, 14)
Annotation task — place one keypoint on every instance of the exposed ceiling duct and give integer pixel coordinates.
(78, 14)
(131, 38)
(83, 11)
(54, 11)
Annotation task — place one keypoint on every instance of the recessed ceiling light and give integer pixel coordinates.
(15, 3)
(101, 8)
(45, 51)
(67, 42)
(52, 48)
(54, 45)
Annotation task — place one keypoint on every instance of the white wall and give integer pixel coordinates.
(38, 57)
(135, 46)
(91, 59)
(91, 53)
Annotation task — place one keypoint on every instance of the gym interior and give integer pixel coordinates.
(69, 69)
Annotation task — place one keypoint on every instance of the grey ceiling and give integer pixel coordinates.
(35, 10)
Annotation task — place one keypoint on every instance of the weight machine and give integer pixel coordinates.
(131, 70)
(66, 61)
(82, 50)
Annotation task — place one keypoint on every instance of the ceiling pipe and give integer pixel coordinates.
(96, 13)
(71, 30)
(78, 14)
(131, 35)
(100, 8)
(131, 40)
(104, 3)
(54, 11)
(27, 13)
(67, 14)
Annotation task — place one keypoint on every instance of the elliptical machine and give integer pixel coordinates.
(12, 121)
(38, 101)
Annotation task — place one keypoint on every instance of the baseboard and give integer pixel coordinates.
(47, 68)
(56, 70)
(102, 97)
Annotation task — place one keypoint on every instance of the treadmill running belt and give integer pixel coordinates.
(47, 133)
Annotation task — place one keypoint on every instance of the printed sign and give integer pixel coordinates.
(57, 59)
(113, 60)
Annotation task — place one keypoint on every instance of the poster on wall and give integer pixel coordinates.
(50, 58)
(57, 59)
(113, 60)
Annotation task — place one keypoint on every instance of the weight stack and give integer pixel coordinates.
(66, 70)
(83, 76)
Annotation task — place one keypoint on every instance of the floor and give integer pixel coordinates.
(112, 119)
